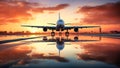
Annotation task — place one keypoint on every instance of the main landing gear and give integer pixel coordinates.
(67, 33)
(52, 33)
(60, 33)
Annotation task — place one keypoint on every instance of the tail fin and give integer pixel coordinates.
(59, 53)
(59, 16)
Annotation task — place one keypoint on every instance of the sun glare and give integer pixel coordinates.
(33, 30)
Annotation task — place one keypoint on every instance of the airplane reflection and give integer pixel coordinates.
(60, 41)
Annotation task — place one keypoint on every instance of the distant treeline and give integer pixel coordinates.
(115, 32)
(30, 33)
(17, 33)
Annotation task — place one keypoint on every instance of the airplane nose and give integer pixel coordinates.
(61, 26)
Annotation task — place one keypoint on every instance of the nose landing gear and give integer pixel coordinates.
(60, 33)
(52, 33)
(67, 33)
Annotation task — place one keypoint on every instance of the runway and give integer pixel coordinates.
(59, 51)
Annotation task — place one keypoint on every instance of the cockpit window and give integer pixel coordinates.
(60, 20)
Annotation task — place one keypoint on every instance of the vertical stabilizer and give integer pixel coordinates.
(59, 15)
(59, 53)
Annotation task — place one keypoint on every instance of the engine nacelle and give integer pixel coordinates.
(44, 29)
(76, 29)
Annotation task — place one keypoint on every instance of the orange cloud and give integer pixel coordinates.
(104, 14)
(56, 8)
(15, 11)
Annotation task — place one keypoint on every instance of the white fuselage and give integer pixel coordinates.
(60, 25)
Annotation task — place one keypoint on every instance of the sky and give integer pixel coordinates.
(14, 13)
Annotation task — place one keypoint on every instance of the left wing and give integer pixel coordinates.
(48, 27)
(71, 27)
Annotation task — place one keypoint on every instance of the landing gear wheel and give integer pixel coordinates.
(60, 33)
(67, 33)
(52, 33)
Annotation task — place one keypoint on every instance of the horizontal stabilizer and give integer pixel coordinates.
(51, 23)
(68, 24)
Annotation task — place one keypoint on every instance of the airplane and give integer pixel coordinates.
(60, 42)
(60, 26)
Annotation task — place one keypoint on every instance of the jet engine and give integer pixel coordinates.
(76, 29)
(44, 29)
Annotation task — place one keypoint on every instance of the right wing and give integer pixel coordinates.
(48, 27)
(71, 27)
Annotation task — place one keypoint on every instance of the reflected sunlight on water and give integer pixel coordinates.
(60, 51)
